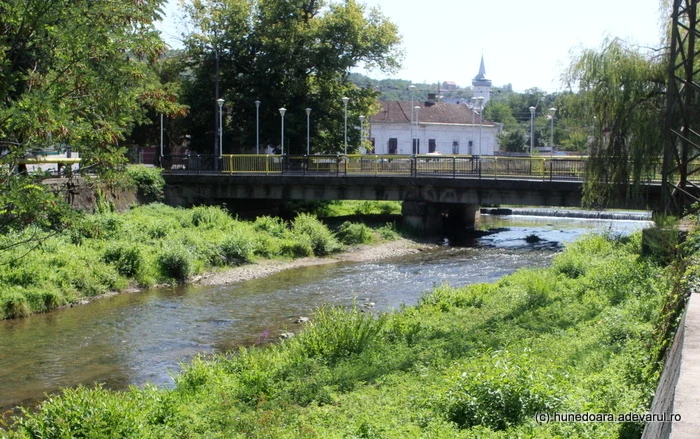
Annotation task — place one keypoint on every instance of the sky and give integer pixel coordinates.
(526, 43)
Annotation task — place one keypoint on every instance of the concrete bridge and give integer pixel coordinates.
(431, 188)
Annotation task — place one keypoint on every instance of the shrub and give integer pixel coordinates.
(149, 182)
(13, 303)
(388, 231)
(354, 233)
(239, 248)
(335, 333)
(175, 263)
(500, 391)
(209, 217)
(298, 247)
(322, 240)
(126, 258)
(272, 225)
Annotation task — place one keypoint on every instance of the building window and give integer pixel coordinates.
(393, 144)
(431, 145)
(416, 146)
(455, 147)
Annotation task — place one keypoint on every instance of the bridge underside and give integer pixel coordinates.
(460, 198)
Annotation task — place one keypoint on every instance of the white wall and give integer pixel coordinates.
(444, 135)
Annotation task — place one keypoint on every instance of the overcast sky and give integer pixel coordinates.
(524, 43)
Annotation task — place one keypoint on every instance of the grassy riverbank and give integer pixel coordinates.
(481, 361)
(153, 244)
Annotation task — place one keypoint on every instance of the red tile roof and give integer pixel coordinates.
(439, 112)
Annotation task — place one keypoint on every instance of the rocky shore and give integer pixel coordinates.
(267, 267)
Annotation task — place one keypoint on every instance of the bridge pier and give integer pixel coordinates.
(435, 218)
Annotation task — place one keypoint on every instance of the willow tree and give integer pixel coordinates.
(295, 54)
(76, 73)
(621, 97)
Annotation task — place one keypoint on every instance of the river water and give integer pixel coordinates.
(143, 337)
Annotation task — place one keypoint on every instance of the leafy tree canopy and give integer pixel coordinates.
(295, 54)
(621, 95)
(78, 73)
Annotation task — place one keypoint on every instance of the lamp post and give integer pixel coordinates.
(551, 142)
(308, 142)
(345, 102)
(532, 129)
(480, 103)
(161, 139)
(362, 130)
(473, 99)
(416, 148)
(220, 101)
(257, 127)
(412, 88)
(282, 111)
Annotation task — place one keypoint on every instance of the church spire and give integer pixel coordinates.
(481, 84)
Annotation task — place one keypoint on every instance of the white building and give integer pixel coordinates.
(439, 127)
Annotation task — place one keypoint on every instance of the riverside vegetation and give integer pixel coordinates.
(154, 244)
(583, 336)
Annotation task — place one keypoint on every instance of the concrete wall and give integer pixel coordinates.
(678, 390)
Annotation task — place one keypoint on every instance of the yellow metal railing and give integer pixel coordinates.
(252, 164)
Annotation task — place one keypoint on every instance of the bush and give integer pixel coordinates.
(500, 391)
(13, 303)
(149, 182)
(126, 258)
(322, 240)
(174, 263)
(354, 233)
(239, 248)
(335, 333)
(388, 231)
(209, 217)
(274, 226)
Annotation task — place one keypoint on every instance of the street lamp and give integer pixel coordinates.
(473, 99)
(532, 129)
(161, 139)
(308, 142)
(257, 127)
(412, 88)
(282, 111)
(480, 103)
(551, 143)
(416, 148)
(220, 101)
(345, 102)
(362, 129)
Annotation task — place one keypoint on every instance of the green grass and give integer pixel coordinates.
(150, 245)
(472, 362)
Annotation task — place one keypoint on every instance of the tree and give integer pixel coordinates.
(78, 73)
(293, 54)
(621, 95)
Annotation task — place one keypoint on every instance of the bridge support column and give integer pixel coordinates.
(425, 218)
(430, 218)
(462, 216)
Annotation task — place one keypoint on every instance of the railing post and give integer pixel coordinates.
(454, 167)
(551, 170)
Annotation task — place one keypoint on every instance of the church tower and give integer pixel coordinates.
(482, 85)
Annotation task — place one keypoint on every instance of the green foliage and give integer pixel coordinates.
(354, 233)
(322, 240)
(622, 96)
(149, 182)
(476, 361)
(175, 263)
(336, 333)
(388, 232)
(126, 257)
(501, 390)
(239, 248)
(306, 51)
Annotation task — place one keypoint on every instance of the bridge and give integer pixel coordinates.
(430, 186)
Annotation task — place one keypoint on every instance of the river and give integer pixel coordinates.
(143, 337)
